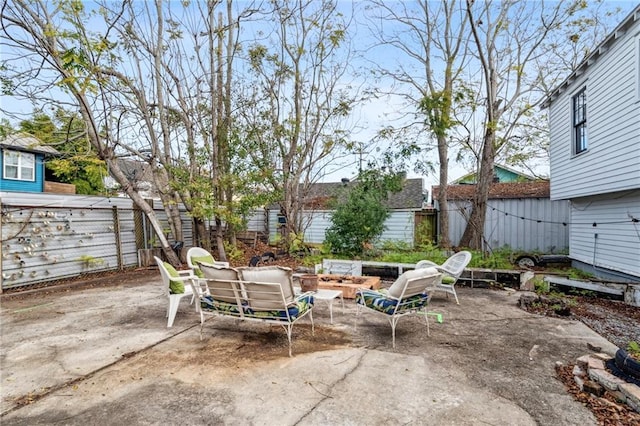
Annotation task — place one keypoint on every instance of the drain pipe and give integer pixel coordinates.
(595, 245)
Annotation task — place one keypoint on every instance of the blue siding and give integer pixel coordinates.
(21, 185)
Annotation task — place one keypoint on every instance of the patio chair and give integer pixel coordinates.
(198, 254)
(409, 294)
(177, 284)
(451, 270)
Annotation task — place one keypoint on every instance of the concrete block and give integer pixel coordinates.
(579, 381)
(601, 355)
(587, 362)
(527, 281)
(605, 378)
(619, 396)
(632, 393)
(632, 295)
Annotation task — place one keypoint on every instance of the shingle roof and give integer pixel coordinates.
(410, 197)
(25, 142)
(537, 189)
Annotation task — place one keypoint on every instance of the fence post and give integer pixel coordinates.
(116, 231)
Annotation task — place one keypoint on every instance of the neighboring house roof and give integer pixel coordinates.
(25, 142)
(536, 189)
(501, 172)
(410, 197)
(595, 55)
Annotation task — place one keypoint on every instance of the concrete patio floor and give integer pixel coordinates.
(103, 355)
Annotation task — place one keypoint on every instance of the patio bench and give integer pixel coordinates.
(263, 294)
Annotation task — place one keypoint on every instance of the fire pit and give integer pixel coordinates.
(347, 284)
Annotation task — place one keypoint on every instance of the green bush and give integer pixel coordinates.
(359, 221)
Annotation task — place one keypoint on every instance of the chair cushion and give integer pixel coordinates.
(222, 289)
(398, 286)
(271, 274)
(208, 303)
(448, 280)
(378, 301)
(203, 259)
(301, 306)
(175, 287)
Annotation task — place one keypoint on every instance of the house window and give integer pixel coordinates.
(580, 122)
(19, 165)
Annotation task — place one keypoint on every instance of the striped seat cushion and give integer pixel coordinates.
(298, 309)
(209, 304)
(378, 300)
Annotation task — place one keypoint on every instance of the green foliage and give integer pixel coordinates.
(540, 286)
(578, 274)
(233, 252)
(359, 220)
(90, 261)
(424, 232)
(633, 349)
(78, 164)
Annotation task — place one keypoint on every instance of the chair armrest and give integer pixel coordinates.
(186, 273)
(300, 296)
(426, 263)
(381, 292)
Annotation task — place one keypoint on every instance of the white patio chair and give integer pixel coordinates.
(451, 269)
(409, 294)
(198, 254)
(177, 284)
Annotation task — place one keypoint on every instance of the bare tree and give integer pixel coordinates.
(294, 109)
(508, 38)
(54, 57)
(178, 54)
(430, 38)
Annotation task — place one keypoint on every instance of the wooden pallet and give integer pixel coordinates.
(347, 284)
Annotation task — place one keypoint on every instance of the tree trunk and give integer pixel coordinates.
(443, 237)
(473, 235)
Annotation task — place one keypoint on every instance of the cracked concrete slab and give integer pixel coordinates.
(103, 355)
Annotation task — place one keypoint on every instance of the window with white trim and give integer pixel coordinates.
(580, 122)
(19, 165)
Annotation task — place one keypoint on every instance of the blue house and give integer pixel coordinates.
(501, 174)
(22, 163)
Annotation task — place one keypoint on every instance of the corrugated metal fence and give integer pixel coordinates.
(527, 224)
(47, 237)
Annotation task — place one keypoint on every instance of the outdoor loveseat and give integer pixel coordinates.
(262, 294)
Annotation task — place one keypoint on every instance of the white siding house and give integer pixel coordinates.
(399, 226)
(594, 118)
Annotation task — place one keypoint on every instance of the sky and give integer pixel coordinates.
(368, 117)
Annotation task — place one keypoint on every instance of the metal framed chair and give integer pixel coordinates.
(451, 270)
(409, 294)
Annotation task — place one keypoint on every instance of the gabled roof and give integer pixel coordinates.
(537, 189)
(616, 34)
(28, 143)
(410, 197)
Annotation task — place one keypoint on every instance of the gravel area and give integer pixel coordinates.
(614, 320)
